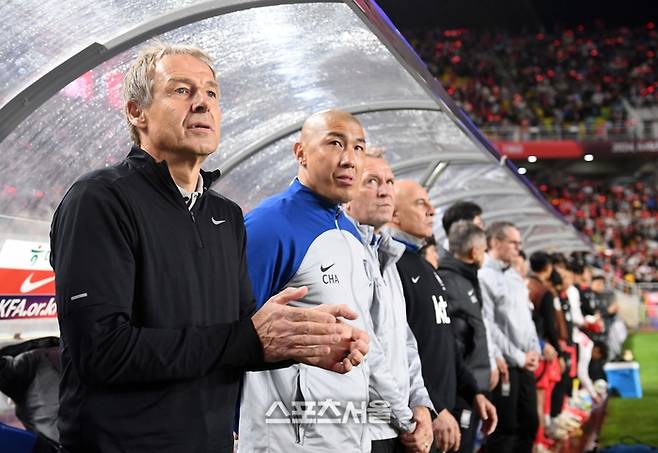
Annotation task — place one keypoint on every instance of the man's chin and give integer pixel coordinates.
(422, 234)
(344, 195)
(203, 151)
(206, 153)
(380, 221)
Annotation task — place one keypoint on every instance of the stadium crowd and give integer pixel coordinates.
(569, 82)
(620, 217)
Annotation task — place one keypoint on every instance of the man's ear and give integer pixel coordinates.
(395, 220)
(471, 254)
(300, 155)
(136, 115)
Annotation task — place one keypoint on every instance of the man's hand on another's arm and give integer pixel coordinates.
(311, 336)
(420, 440)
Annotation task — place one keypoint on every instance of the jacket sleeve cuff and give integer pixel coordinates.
(421, 400)
(430, 407)
(247, 338)
(519, 358)
(438, 408)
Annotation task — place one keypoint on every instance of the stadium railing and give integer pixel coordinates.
(573, 132)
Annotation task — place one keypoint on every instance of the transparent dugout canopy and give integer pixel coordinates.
(62, 63)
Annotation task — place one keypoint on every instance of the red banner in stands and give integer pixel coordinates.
(543, 149)
(571, 149)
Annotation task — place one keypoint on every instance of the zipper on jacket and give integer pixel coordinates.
(362, 367)
(163, 173)
(196, 228)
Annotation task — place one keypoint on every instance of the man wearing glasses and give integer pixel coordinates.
(514, 341)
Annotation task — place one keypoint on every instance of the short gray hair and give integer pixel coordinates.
(497, 230)
(463, 236)
(138, 82)
(376, 152)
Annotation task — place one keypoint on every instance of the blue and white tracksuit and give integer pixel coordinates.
(297, 238)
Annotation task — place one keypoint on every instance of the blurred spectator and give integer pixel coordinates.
(621, 218)
(541, 296)
(615, 329)
(566, 82)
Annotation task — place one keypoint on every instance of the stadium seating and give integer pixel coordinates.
(571, 82)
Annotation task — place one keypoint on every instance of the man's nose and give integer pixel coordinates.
(349, 157)
(200, 103)
(385, 190)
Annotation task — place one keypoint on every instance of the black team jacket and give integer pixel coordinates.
(444, 372)
(465, 310)
(154, 306)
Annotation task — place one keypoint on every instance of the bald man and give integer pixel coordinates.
(444, 373)
(301, 237)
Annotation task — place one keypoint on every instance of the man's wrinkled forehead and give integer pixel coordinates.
(511, 233)
(416, 193)
(409, 193)
(377, 165)
(345, 136)
(173, 66)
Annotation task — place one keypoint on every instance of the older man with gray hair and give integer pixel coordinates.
(153, 298)
(458, 270)
(506, 307)
(373, 207)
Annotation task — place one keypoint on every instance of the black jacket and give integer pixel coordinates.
(153, 304)
(444, 372)
(543, 313)
(588, 300)
(465, 311)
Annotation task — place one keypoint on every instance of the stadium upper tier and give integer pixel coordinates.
(584, 82)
